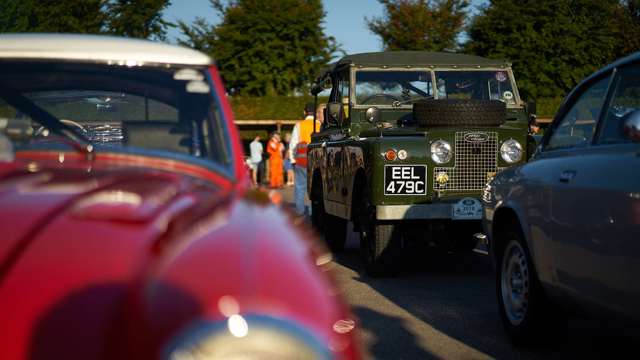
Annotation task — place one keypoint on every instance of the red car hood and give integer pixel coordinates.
(97, 262)
(65, 229)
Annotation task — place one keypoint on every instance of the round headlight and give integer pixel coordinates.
(511, 151)
(247, 338)
(441, 152)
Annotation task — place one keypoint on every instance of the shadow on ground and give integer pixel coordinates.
(455, 295)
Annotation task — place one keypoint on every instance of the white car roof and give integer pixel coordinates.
(97, 48)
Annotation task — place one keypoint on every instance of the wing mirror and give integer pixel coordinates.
(334, 113)
(372, 114)
(532, 108)
(316, 89)
(631, 127)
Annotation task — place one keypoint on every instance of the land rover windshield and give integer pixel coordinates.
(397, 88)
(392, 87)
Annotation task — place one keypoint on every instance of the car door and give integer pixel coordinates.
(586, 204)
(564, 151)
(612, 174)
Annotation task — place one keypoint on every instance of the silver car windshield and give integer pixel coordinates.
(479, 85)
(392, 88)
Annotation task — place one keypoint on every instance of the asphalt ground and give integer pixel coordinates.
(443, 306)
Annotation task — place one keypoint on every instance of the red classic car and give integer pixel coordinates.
(127, 227)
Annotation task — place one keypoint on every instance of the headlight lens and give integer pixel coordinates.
(260, 338)
(511, 151)
(441, 152)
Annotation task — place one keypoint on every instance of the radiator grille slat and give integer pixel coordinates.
(474, 163)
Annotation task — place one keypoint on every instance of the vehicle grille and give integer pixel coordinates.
(475, 163)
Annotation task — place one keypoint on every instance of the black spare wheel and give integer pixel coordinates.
(459, 112)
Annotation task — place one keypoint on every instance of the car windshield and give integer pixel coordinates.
(392, 87)
(479, 85)
(159, 110)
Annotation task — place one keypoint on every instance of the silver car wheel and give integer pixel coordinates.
(515, 283)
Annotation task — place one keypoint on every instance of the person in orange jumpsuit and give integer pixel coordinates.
(275, 149)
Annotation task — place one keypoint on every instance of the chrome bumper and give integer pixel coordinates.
(413, 212)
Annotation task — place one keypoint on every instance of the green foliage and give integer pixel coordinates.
(269, 107)
(134, 18)
(290, 107)
(72, 16)
(265, 47)
(548, 107)
(553, 43)
(628, 22)
(420, 24)
(138, 18)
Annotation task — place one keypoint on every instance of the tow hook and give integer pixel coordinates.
(482, 244)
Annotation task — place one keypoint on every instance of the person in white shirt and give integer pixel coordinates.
(300, 138)
(256, 150)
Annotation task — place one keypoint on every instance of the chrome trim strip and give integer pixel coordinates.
(413, 212)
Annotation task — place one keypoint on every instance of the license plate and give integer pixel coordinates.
(405, 179)
(467, 209)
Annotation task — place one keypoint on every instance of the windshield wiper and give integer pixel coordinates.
(76, 140)
(398, 103)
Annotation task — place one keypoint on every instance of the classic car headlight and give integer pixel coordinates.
(511, 151)
(251, 337)
(441, 152)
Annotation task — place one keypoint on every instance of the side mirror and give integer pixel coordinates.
(316, 89)
(631, 127)
(372, 114)
(334, 113)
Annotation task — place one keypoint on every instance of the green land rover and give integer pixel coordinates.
(410, 140)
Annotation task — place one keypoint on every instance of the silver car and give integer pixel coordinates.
(564, 229)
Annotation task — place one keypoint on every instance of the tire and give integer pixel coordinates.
(379, 243)
(333, 228)
(335, 232)
(527, 315)
(459, 112)
(317, 207)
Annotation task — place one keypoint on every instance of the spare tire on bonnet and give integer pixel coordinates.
(452, 112)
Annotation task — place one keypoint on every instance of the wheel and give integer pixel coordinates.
(332, 227)
(379, 243)
(459, 112)
(335, 232)
(317, 207)
(527, 316)
(380, 249)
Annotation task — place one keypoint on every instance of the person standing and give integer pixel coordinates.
(275, 150)
(256, 150)
(288, 165)
(300, 139)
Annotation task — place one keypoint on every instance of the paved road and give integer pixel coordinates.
(443, 307)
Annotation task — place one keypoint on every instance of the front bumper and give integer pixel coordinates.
(435, 211)
(414, 211)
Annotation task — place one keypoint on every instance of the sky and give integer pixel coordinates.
(345, 20)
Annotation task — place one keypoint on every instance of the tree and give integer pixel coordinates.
(71, 16)
(138, 18)
(553, 43)
(420, 24)
(629, 27)
(265, 47)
